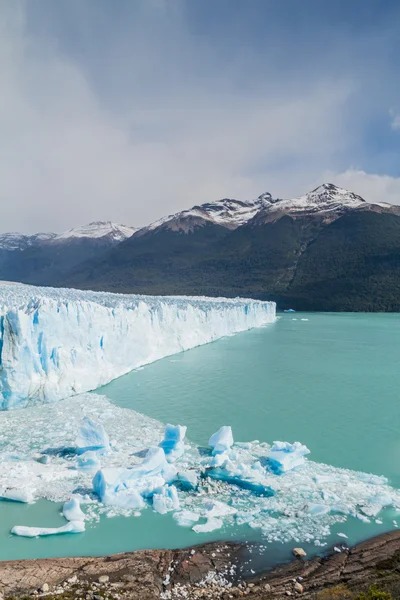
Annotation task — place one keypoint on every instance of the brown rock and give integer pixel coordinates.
(298, 588)
(299, 552)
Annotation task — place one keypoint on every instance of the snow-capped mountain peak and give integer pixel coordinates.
(100, 230)
(326, 198)
(97, 230)
(20, 241)
(226, 212)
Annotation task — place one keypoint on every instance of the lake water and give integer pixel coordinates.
(331, 381)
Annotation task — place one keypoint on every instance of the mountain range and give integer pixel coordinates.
(326, 250)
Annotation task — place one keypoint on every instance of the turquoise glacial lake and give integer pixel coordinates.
(331, 381)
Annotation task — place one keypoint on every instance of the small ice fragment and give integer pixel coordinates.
(343, 535)
(17, 494)
(215, 508)
(189, 479)
(318, 509)
(378, 521)
(172, 443)
(71, 527)
(336, 549)
(211, 524)
(72, 510)
(92, 436)
(186, 518)
(285, 456)
(166, 500)
(89, 461)
(221, 440)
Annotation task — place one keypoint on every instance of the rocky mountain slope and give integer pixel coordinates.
(42, 257)
(326, 250)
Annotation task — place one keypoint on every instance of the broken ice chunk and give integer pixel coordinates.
(92, 436)
(172, 443)
(318, 509)
(89, 461)
(285, 456)
(186, 518)
(72, 510)
(166, 500)
(17, 494)
(188, 480)
(221, 440)
(215, 508)
(210, 525)
(71, 527)
(126, 488)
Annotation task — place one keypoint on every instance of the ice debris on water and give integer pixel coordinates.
(285, 457)
(221, 440)
(127, 488)
(166, 499)
(89, 461)
(71, 527)
(59, 342)
(72, 510)
(92, 437)
(24, 495)
(298, 500)
(172, 443)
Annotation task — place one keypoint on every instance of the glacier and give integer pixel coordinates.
(55, 343)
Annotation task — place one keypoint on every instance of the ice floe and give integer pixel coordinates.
(275, 488)
(71, 527)
(72, 510)
(221, 440)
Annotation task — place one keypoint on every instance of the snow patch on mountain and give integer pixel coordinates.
(227, 212)
(100, 230)
(325, 198)
(19, 241)
(97, 230)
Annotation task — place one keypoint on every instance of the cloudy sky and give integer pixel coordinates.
(127, 110)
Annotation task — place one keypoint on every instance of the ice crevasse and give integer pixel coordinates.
(55, 343)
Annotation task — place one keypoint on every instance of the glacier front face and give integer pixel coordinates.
(55, 343)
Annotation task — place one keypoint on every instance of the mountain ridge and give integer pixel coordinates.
(313, 252)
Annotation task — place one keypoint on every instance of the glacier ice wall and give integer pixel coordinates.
(55, 343)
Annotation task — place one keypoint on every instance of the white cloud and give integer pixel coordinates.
(372, 187)
(66, 157)
(395, 119)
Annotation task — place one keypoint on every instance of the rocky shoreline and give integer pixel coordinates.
(209, 571)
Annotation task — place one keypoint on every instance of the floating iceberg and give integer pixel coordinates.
(166, 500)
(172, 443)
(188, 480)
(92, 436)
(55, 343)
(89, 461)
(72, 510)
(186, 518)
(17, 494)
(71, 527)
(285, 457)
(222, 440)
(126, 488)
(211, 524)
